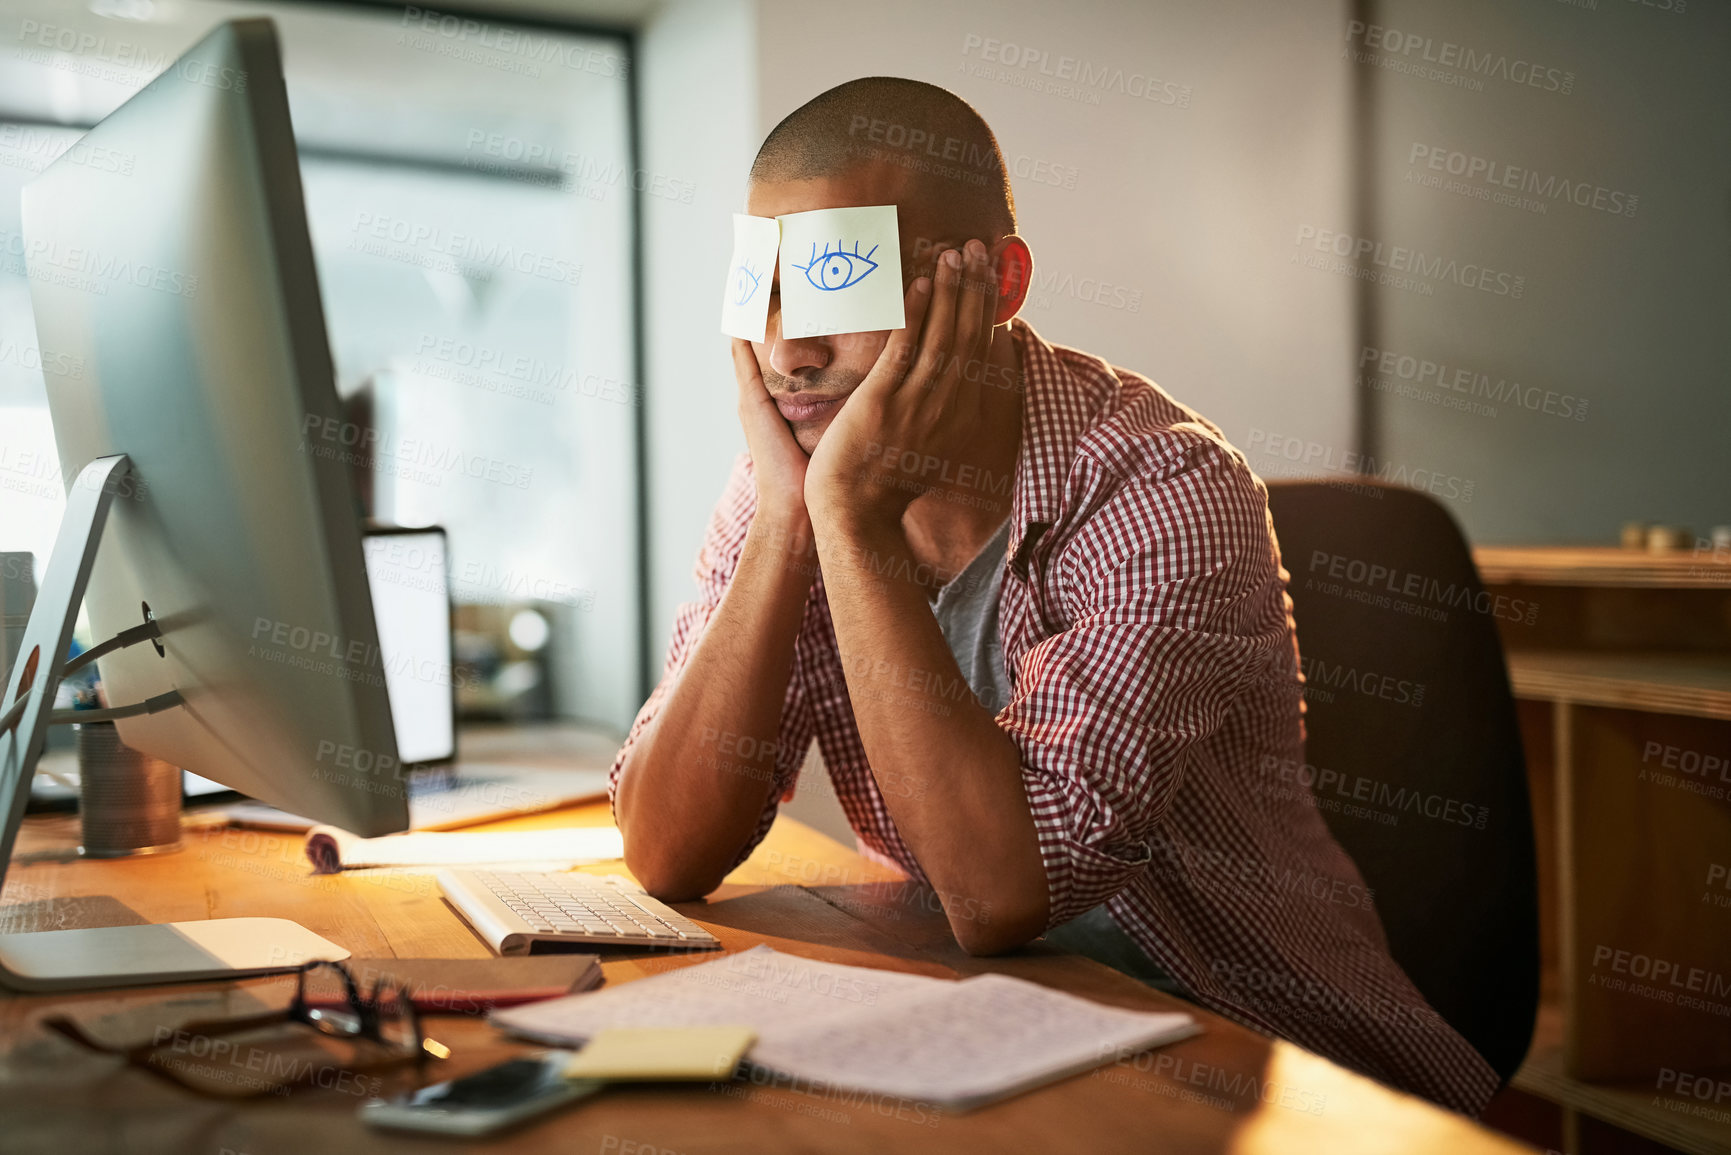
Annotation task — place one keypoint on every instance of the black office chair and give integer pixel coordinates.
(1459, 903)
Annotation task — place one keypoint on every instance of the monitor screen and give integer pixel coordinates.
(233, 526)
(411, 604)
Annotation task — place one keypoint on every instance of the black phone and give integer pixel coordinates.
(487, 1101)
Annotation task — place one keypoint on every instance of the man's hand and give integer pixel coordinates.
(777, 462)
(949, 776)
(926, 400)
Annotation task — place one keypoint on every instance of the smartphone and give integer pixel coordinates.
(486, 1101)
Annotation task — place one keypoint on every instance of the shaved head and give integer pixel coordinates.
(882, 140)
(941, 146)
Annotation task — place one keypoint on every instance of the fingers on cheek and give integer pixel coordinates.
(933, 359)
(973, 315)
(896, 358)
(950, 277)
(916, 310)
(988, 316)
(984, 278)
(918, 306)
(989, 282)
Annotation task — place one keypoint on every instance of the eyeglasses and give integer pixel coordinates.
(382, 1028)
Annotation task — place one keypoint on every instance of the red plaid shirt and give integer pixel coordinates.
(1149, 642)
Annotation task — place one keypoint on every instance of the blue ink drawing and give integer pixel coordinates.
(745, 284)
(835, 269)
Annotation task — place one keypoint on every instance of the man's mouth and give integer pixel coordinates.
(807, 406)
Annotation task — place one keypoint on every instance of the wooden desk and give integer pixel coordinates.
(1227, 1090)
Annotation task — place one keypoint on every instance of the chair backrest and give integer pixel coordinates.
(1413, 750)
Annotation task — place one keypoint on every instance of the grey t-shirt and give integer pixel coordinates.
(967, 612)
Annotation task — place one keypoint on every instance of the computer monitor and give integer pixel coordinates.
(206, 428)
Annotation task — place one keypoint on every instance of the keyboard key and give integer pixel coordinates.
(630, 930)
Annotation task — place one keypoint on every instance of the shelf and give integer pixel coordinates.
(1697, 685)
(1603, 566)
(1633, 1109)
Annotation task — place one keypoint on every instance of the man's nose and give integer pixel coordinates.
(789, 355)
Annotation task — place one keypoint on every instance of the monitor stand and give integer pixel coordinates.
(58, 960)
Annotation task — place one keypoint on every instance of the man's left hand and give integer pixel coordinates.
(918, 412)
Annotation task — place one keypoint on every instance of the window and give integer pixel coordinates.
(470, 193)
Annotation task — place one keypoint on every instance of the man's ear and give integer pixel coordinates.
(1015, 266)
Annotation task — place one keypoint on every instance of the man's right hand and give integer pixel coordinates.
(777, 461)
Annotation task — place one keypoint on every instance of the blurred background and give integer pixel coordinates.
(1479, 248)
(472, 216)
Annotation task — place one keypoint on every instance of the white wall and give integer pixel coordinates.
(1188, 207)
(697, 60)
(1190, 211)
(1187, 211)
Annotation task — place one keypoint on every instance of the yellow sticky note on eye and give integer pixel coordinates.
(652, 1053)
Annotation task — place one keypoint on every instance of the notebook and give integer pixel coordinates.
(958, 1044)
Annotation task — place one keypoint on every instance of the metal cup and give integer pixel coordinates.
(129, 803)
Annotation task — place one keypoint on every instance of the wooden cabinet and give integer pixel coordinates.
(1624, 681)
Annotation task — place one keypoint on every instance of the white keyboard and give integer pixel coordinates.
(514, 912)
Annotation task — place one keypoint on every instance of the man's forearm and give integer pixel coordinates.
(694, 784)
(949, 775)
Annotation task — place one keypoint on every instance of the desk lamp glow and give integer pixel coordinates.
(229, 582)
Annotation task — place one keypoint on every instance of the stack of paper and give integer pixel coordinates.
(956, 1044)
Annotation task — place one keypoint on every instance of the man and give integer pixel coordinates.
(1048, 653)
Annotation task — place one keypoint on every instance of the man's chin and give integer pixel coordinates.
(808, 433)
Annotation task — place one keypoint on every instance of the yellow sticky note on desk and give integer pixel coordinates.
(652, 1053)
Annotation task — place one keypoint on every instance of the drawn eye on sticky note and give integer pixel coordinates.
(745, 301)
(832, 271)
(746, 282)
(841, 271)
